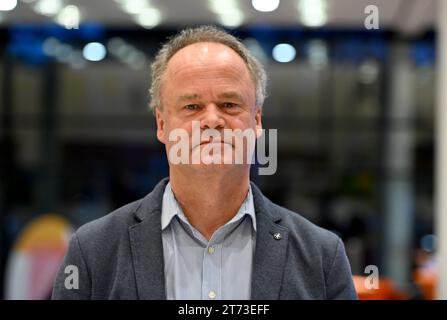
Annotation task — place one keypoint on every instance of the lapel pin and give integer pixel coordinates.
(277, 236)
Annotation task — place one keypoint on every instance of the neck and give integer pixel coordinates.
(209, 200)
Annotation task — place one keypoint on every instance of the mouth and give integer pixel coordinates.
(213, 142)
(210, 141)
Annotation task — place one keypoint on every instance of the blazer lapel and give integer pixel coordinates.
(147, 247)
(270, 252)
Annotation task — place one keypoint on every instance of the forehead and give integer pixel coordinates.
(205, 53)
(206, 58)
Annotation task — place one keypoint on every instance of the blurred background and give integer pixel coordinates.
(354, 106)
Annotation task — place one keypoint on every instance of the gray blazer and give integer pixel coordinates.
(120, 256)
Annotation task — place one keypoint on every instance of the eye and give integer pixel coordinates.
(229, 105)
(192, 107)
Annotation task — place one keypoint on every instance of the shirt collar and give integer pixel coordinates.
(171, 208)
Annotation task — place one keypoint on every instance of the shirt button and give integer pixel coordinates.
(211, 250)
(211, 295)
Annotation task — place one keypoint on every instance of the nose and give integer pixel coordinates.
(212, 118)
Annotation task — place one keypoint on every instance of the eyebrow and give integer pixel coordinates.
(224, 95)
(187, 97)
(232, 95)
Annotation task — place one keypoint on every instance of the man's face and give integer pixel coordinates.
(210, 84)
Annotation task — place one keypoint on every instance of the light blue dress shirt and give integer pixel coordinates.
(218, 269)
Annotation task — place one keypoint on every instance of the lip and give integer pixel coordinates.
(209, 142)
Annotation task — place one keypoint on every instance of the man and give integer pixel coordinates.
(206, 232)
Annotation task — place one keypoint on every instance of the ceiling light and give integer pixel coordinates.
(69, 17)
(223, 6)
(231, 20)
(48, 7)
(134, 6)
(149, 18)
(265, 5)
(284, 52)
(8, 5)
(313, 13)
(94, 51)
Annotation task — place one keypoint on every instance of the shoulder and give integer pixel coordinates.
(108, 236)
(317, 252)
(303, 229)
(102, 243)
(116, 224)
(306, 233)
(96, 249)
(309, 245)
(110, 225)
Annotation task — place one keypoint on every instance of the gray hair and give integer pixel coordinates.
(204, 34)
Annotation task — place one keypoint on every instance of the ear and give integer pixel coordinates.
(161, 134)
(258, 119)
